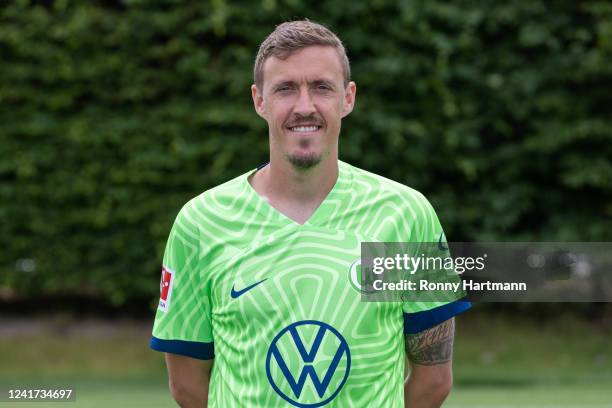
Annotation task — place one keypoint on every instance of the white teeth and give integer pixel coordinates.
(304, 128)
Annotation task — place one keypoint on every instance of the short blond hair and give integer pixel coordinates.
(292, 36)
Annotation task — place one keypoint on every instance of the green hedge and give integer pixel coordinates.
(114, 113)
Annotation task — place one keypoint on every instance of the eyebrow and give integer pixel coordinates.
(315, 83)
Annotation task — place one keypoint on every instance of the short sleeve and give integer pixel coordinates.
(183, 318)
(422, 315)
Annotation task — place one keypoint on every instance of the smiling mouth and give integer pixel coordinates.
(304, 129)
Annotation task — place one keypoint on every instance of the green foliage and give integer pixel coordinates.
(115, 113)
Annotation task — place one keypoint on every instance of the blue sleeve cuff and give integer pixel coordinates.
(195, 349)
(419, 321)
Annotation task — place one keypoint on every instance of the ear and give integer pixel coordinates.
(349, 98)
(258, 101)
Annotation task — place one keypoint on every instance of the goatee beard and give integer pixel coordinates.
(304, 162)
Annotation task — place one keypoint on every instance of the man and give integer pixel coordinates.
(260, 267)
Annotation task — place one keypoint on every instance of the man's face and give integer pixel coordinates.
(304, 100)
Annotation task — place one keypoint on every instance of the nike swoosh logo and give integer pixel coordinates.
(237, 293)
(441, 246)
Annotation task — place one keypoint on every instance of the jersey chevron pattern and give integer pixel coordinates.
(277, 304)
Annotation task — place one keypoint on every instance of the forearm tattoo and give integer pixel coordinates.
(432, 346)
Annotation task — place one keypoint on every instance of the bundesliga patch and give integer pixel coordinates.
(165, 289)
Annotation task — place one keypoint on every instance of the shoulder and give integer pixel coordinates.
(219, 202)
(381, 190)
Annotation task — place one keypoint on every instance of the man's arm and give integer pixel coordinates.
(430, 354)
(189, 379)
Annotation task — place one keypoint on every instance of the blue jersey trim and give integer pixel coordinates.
(419, 321)
(195, 349)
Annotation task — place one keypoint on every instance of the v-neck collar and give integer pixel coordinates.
(321, 213)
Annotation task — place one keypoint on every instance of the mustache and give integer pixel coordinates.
(306, 120)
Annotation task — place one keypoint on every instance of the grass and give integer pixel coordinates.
(498, 363)
(98, 392)
(536, 396)
(515, 362)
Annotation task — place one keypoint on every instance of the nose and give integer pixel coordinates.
(304, 105)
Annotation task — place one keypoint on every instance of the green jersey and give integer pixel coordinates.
(278, 305)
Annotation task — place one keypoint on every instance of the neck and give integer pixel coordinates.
(297, 193)
(303, 185)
